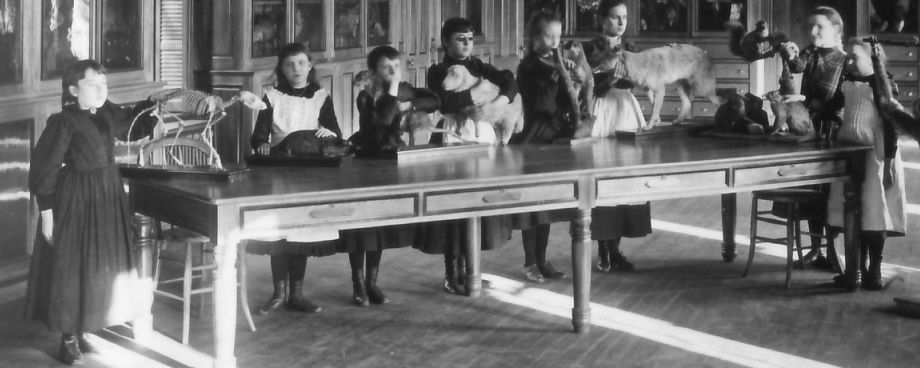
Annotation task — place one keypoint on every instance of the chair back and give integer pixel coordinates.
(177, 152)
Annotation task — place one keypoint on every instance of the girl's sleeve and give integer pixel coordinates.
(504, 79)
(327, 118)
(386, 109)
(47, 158)
(422, 98)
(262, 132)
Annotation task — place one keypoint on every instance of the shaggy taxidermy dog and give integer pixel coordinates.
(754, 45)
(506, 118)
(655, 68)
(791, 115)
(411, 122)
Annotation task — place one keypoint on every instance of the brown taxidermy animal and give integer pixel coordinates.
(582, 76)
(731, 116)
(411, 122)
(687, 65)
(506, 118)
(791, 115)
(756, 44)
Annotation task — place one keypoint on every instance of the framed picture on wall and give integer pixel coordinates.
(378, 22)
(663, 17)
(66, 34)
(11, 42)
(267, 27)
(894, 16)
(586, 16)
(713, 16)
(309, 26)
(121, 36)
(347, 17)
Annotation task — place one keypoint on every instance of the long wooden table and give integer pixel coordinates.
(286, 201)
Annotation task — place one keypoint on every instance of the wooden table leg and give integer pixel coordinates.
(144, 240)
(851, 230)
(581, 270)
(729, 215)
(473, 257)
(225, 279)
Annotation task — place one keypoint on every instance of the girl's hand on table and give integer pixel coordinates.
(323, 133)
(265, 148)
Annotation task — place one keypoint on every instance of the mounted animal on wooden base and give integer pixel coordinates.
(653, 69)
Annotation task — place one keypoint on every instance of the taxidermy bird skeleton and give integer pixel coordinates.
(168, 103)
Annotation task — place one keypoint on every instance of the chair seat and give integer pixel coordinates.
(800, 196)
(178, 234)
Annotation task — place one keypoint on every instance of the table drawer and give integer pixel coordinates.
(313, 214)
(732, 70)
(668, 108)
(901, 53)
(704, 109)
(908, 92)
(789, 172)
(445, 202)
(620, 187)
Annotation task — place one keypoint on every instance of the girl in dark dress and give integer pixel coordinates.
(449, 237)
(822, 64)
(83, 276)
(380, 110)
(299, 103)
(548, 115)
(615, 109)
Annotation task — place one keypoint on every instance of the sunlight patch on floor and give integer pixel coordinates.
(517, 293)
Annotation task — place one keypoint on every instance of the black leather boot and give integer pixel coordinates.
(374, 295)
(872, 277)
(296, 300)
(450, 276)
(359, 294)
(275, 300)
(461, 270)
(618, 261)
(69, 351)
(603, 257)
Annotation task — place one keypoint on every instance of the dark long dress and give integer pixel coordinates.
(449, 237)
(262, 134)
(547, 111)
(85, 281)
(630, 221)
(378, 134)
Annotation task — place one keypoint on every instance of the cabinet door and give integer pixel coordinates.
(416, 40)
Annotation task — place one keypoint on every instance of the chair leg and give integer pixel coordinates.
(244, 294)
(790, 235)
(798, 243)
(205, 280)
(752, 250)
(186, 292)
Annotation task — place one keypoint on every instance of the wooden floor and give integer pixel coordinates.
(682, 307)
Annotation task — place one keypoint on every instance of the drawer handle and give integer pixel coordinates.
(911, 54)
(501, 197)
(791, 171)
(740, 71)
(910, 74)
(332, 212)
(705, 109)
(662, 182)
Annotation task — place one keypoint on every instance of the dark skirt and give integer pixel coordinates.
(284, 248)
(374, 239)
(524, 221)
(449, 237)
(87, 279)
(626, 221)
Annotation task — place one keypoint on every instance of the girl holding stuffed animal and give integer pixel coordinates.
(450, 237)
(380, 109)
(549, 114)
(615, 109)
(883, 199)
(83, 275)
(297, 104)
(822, 64)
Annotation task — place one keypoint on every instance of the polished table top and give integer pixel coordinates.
(539, 161)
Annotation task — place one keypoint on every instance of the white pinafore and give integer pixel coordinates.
(293, 113)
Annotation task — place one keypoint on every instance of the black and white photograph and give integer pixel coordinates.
(459, 183)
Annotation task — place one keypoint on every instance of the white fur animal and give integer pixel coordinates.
(687, 65)
(506, 118)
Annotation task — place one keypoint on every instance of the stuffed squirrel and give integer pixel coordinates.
(756, 44)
